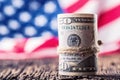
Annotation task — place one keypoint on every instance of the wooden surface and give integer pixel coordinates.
(47, 69)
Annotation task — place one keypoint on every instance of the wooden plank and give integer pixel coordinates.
(47, 69)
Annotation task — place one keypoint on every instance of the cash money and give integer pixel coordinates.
(77, 48)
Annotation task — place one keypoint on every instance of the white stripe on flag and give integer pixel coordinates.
(89, 7)
(33, 43)
(66, 3)
(7, 44)
(109, 47)
(46, 52)
(110, 32)
(109, 4)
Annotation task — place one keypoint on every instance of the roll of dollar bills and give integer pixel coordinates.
(77, 48)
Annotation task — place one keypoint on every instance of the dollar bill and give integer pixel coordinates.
(77, 30)
(77, 44)
(77, 64)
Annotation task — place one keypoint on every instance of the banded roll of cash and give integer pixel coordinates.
(77, 44)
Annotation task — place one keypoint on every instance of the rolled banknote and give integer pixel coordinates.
(77, 35)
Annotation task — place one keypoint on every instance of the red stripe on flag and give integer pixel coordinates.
(49, 43)
(108, 16)
(117, 51)
(76, 6)
(20, 44)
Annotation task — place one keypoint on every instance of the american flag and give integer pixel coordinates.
(28, 28)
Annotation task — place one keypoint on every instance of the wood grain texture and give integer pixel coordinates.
(47, 69)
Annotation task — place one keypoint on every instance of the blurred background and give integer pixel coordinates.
(28, 28)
